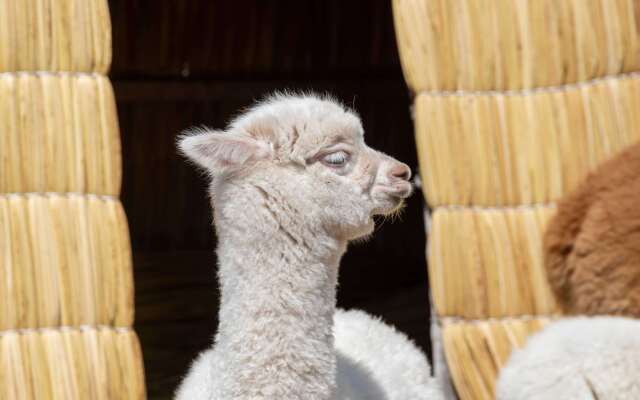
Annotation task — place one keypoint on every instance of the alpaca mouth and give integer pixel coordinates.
(390, 198)
(399, 190)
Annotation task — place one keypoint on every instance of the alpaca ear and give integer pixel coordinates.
(220, 152)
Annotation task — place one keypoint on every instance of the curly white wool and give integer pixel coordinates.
(576, 359)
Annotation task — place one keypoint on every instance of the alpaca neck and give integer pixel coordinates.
(278, 295)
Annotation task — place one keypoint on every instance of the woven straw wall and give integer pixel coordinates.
(66, 287)
(515, 101)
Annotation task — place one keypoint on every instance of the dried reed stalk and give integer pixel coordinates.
(502, 149)
(505, 118)
(487, 263)
(71, 364)
(55, 35)
(477, 350)
(59, 134)
(65, 260)
(505, 44)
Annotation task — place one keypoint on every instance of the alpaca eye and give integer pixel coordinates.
(337, 159)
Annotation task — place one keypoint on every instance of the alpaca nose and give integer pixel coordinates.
(400, 171)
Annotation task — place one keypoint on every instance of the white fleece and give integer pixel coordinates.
(292, 182)
(576, 359)
(376, 362)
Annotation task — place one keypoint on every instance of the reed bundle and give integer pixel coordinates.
(66, 261)
(502, 149)
(516, 101)
(477, 350)
(70, 363)
(487, 263)
(55, 35)
(59, 133)
(504, 44)
(66, 284)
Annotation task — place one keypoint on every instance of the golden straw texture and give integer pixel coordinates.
(516, 101)
(477, 350)
(506, 44)
(509, 149)
(59, 133)
(63, 364)
(55, 35)
(66, 284)
(488, 263)
(65, 260)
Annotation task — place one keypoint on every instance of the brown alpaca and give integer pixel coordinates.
(592, 245)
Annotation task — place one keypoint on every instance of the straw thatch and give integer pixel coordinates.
(488, 263)
(506, 44)
(70, 363)
(55, 35)
(66, 285)
(59, 134)
(531, 147)
(65, 261)
(477, 350)
(516, 101)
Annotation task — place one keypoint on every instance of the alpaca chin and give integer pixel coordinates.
(391, 210)
(365, 232)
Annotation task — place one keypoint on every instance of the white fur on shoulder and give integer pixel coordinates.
(576, 359)
(396, 370)
(376, 362)
(198, 384)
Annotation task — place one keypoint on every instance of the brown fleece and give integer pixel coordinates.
(592, 245)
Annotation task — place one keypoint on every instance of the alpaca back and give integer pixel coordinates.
(592, 245)
(576, 359)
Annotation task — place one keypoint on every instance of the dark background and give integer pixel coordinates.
(182, 63)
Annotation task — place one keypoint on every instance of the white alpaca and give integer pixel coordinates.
(576, 359)
(292, 183)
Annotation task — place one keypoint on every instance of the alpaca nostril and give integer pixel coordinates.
(401, 171)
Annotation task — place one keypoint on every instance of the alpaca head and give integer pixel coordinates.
(306, 155)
